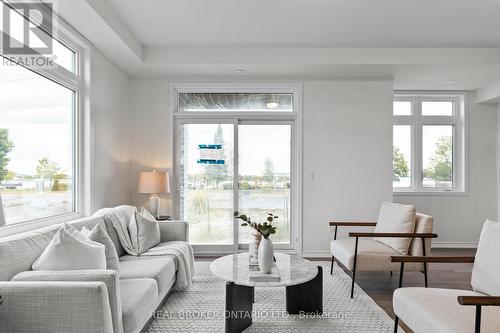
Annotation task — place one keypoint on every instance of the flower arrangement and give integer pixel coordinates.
(265, 229)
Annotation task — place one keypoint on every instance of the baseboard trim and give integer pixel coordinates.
(453, 245)
(316, 254)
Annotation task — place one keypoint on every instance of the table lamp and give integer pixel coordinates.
(154, 183)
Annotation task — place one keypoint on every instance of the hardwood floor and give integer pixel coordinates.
(380, 286)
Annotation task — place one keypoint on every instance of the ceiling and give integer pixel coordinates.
(424, 44)
(338, 23)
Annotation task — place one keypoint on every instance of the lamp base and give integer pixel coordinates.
(154, 205)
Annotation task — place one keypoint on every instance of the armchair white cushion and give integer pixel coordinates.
(432, 310)
(486, 272)
(398, 219)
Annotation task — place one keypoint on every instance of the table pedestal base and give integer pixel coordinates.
(306, 298)
(239, 300)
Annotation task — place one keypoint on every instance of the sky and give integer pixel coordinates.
(38, 114)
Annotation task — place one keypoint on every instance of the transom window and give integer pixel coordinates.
(242, 102)
(429, 143)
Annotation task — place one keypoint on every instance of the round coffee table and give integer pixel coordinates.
(302, 279)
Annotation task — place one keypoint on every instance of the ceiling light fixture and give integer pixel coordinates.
(240, 71)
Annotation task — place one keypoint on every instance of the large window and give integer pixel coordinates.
(39, 136)
(236, 150)
(429, 143)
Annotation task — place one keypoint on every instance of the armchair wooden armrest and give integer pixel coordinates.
(479, 300)
(393, 234)
(337, 224)
(352, 223)
(422, 259)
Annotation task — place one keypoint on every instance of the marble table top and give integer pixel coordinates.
(293, 270)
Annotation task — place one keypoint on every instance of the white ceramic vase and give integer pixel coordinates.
(266, 255)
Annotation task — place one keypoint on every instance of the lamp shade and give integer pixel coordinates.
(153, 182)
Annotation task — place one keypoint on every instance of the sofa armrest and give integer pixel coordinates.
(174, 231)
(108, 277)
(393, 234)
(432, 259)
(56, 307)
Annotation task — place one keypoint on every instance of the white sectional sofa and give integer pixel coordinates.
(97, 301)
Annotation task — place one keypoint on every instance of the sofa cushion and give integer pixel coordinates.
(486, 271)
(372, 255)
(396, 218)
(97, 234)
(67, 252)
(139, 298)
(431, 310)
(162, 270)
(161, 250)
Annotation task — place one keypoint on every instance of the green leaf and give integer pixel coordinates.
(236, 213)
(270, 218)
(244, 217)
(244, 224)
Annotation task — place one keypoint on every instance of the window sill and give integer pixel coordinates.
(429, 193)
(16, 228)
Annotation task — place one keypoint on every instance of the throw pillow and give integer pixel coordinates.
(399, 219)
(97, 234)
(486, 271)
(66, 252)
(144, 232)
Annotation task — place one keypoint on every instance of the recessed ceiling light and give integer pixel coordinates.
(448, 82)
(240, 71)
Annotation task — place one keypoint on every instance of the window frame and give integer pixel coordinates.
(81, 134)
(459, 121)
(245, 117)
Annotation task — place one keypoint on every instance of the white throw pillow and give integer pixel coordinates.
(144, 232)
(486, 271)
(74, 232)
(66, 252)
(97, 234)
(396, 218)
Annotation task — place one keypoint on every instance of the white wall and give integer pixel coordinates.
(110, 118)
(151, 137)
(348, 147)
(458, 219)
(347, 135)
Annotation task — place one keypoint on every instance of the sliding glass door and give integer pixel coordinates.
(227, 165)
(206, 181)
(265, 175)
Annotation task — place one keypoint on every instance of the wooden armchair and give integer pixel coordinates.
(449, 310)
(400, 230)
